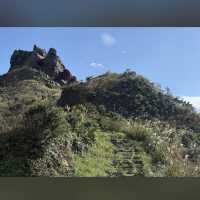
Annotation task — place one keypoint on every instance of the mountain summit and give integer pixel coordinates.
(38, 59)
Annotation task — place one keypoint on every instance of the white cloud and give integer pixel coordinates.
(108, 39)
(195, 101)
(96, 65)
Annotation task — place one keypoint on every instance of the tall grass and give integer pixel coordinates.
(97, 160)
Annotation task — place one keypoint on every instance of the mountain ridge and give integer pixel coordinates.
(110, 125)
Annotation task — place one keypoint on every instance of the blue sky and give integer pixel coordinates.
(167, 56)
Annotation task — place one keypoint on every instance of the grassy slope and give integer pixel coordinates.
(145, 147)
(132, 96)
(100, 134)
(18, 98)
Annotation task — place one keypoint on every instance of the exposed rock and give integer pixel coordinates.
(19, 58)
(48, 63)
(41, 52)
(52, 64)
(64, 76)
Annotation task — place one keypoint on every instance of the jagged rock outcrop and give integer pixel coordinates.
(39, 59)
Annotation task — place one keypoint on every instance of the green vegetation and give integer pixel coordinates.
(133, 96)
(97, 160)
(110, 125)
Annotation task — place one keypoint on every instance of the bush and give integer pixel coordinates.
(42, 141)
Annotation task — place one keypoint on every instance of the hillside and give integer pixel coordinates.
(110, 125)
(132, 95)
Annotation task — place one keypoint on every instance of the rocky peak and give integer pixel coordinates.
(39, 59)
(39, 51)
(52, 52)
(52, 64)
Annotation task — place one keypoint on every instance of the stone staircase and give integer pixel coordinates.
(128, 161)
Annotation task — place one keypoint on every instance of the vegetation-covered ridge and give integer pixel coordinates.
(109, 125)
(132, 96)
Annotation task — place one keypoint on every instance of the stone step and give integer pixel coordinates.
(125, 150)
(130, 163)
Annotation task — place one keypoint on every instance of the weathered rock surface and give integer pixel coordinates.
(39, 59)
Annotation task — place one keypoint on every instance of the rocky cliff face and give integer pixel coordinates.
(47, 62)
